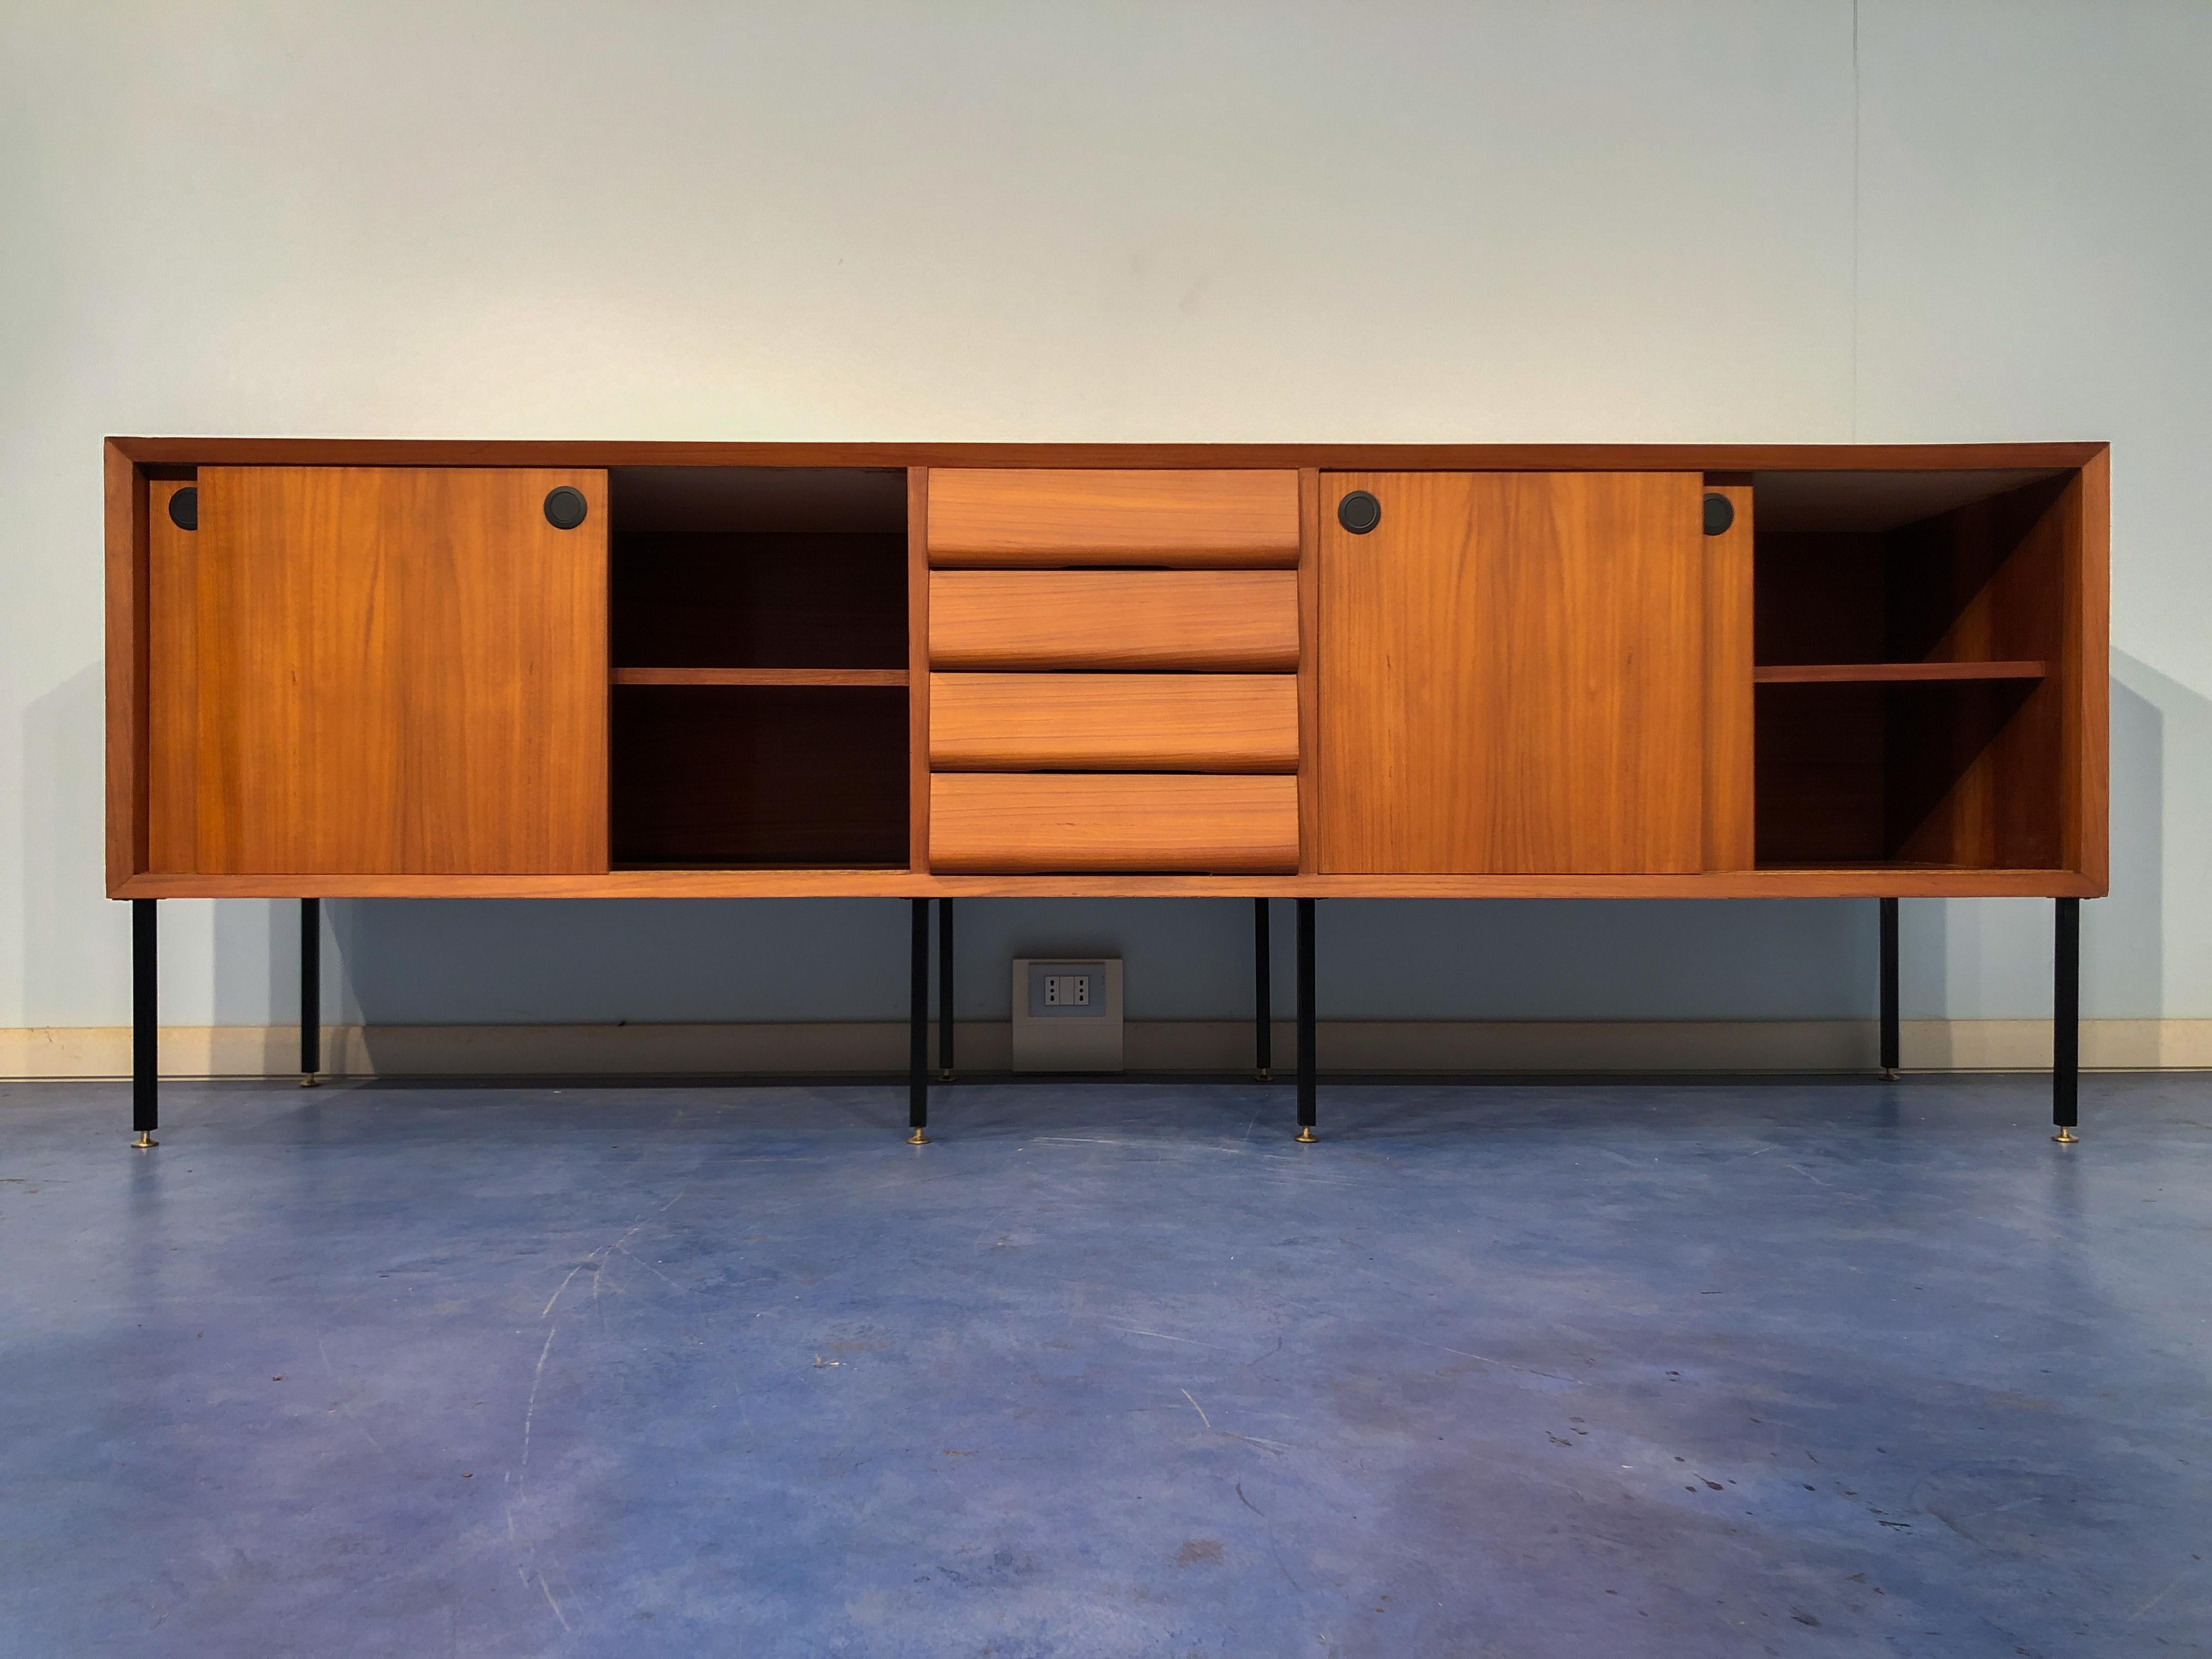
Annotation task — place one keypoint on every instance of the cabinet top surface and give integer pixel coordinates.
(1365, 457)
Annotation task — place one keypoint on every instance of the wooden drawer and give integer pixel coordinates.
(1221, 620)
(1114, 722)
(1079, 821)
(1036, 518)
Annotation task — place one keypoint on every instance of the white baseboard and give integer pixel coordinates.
(828, 1047)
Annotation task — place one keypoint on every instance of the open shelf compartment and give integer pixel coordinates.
(1911, 670)
(759, 649)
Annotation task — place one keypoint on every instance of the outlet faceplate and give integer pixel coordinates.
(1067, 1015)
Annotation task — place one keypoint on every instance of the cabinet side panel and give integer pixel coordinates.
(2086, 647)
(1729, 839)
(124, 492)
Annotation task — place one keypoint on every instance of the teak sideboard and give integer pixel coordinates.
(358, 668)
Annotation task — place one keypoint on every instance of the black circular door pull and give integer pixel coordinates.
(184, 508)
(1360, 512)
(1720, 514)
(565, 507)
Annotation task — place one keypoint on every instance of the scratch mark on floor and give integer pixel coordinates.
(529, 1411)
(1504, 1365)
(1195, 1407)
(550, 1603)
(547, 1311)
(1133, 1330)
(2186, 1572)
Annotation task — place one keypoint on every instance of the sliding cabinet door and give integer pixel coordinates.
(393, 671)
(1512, 674)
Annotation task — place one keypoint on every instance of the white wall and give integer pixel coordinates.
(1802, 222)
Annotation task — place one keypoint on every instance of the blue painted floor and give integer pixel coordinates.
(1776, 1368)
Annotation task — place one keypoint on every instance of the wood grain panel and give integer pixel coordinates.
(1730, 832)
(1808, 881)
(123, 510)
(172, 685)
(1309, 779)
(1512, 675)
(1114, 722)
(2085, 648)
(1369, 458)
(917, 668)
(1045, 517)
(401, 669)
(1227, 621)
(1005, 822)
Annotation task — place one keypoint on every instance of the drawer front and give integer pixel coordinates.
(1039, 519)
(1114, 722)
(1220, 620)
(999, 823)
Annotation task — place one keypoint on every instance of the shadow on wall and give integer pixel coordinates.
(62, 807)
(437, 961)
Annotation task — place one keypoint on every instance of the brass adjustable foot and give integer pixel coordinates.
(919, 1137)
(145, 1139)
(1306, 1133)
(309, 1080)
(945, 1077)
(1261, 1074)
(1889, 1074)
(2066, 1137)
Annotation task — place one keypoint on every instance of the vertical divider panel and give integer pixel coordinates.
(1730, 837)
(1310, 779)
(917, 676)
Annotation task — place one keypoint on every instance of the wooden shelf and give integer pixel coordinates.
(789, 677)
(1877, 673)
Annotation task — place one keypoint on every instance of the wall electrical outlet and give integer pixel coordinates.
(1067, 1015)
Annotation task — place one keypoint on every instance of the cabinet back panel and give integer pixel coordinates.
(730, 600)
(707, 776)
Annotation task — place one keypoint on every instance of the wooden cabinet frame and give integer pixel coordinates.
(2075, 667)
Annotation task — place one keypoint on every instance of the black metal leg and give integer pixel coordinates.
(1263, 998)
(1889, 1044)
(917, 1067)
(944, 990)
(2066, 1016)
(311, 991)
(145, 1027)
(1306, 1020)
